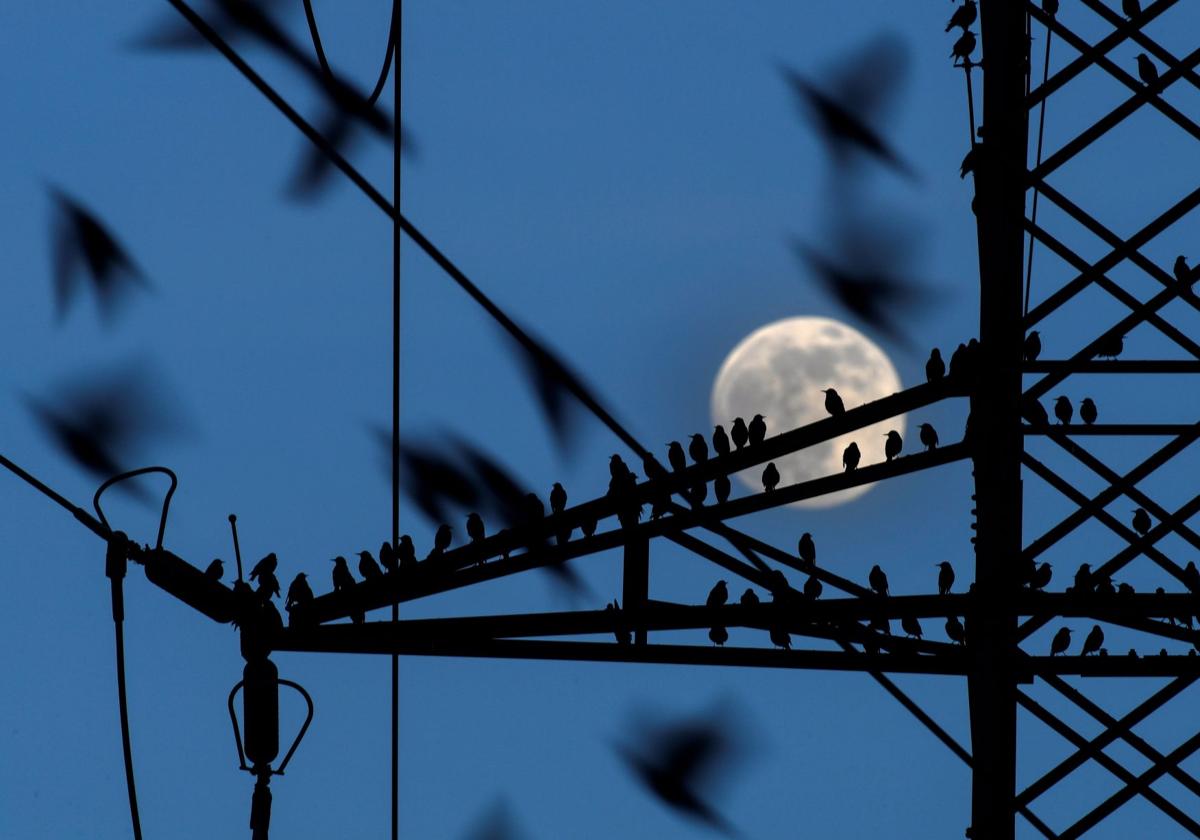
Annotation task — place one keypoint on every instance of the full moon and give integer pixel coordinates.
(778, 371)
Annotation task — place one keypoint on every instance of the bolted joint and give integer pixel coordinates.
(116, 557)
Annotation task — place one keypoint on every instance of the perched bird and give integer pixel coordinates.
(719, 636)
(1181, 270)
(1104, 586)
(475, 529)
(813, 588)
(722, 488)
(215, 570)
(299, 592)
(833, 402)
(955, 631)
(964, 46)
(1131, 8)
(621, 633)
(1032, 348)
(718, 595)
(1041, 577)
(910, 626)
(588, 526)
(963, 16)
(1083, 579)
(1035, 412)
(1141, 521)
(720, 440)
(535, 509)
(807, 549)
(1124, 589)
(1191, 576)
(1111, 347)
(968, 162)
(676, 457)
(406, 552)
(749, 597)
(698, 493)
(878, 581)
(342, 579)
(267, 565)
(851, 457)
(1050, 7)
(558, 498)
(268, 585)
(1061, 641)
(893, 445)
(443, 538)
(960, 361)
(770, 477)
(698, 449)
(367, 567)
(739, 432)
(945, 578)
(1063, 410)
(757, 429)
(617, 467)
(1087, 411)
(781, 638)
(387, 557)
(929, 437)
(935, 368)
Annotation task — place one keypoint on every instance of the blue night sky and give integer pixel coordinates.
(624, 179)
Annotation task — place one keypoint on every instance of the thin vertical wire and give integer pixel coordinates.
(395, 38)
(1033, 211)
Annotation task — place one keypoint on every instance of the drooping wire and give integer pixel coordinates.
(1034, 209)
(319, 48)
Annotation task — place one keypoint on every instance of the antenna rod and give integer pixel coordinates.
(237, 552)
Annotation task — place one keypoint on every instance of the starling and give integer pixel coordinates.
(558, 498)
(878, 581)
(1087, 411)
(1035, 412)
(1083, 579)
(299, 593)
(813, 588)
(617, 468)
(719, 636)
(935, 368)
(757, 430)
(1050, 7)
(963, 16)
(807, 549)
(1063, 410)
(266, 565)
(749, 597)
(1104, 586)
(879, 624)
(215, 570)
(955, 631)
(959, 361)
(342, 579)
(387, 557)
(739, 433)
(781, 638)
(968, 163)
(1191, 577)
(720, 440)
(268, 585)
(1131, 8)
(698, 449)
(1141, 521)
(588, 526)
(1124, 589)
(929, 437)
(945, 578)
(1032, 347)
(652, 468)
(910, 626)
(698, 493)
(1061, 641)
(675, 456)
(718, 595)
(833, 402)
(1041, 578)
(964, 46)
(475, 529)
(443, 538)
(1183, 274)
(722, 488)
(367, 567)
(851, 457)
(406, 553)
(893, 445)
(1111, 347)
(770, 477)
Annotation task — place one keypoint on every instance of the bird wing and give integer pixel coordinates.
(868, 79)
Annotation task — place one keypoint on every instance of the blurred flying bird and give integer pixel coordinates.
(1032, 347)
(749, 597)
(929, 437)
(406, 552)
(1041, 577)
(1087, 411)
(848, 111)
(964, 46)
(558, 498)
(935, 368)
(1131, 8)
(893, 445)
(955, 631)
(82, 244)
(1111, 347)
(878, 581)
(342, 579)
(720, 441)
(833, 402)
(676, 457)
(299, 592)
(718, 595)
(698, 449)
(215, 570)
(497, 823)
(433, 479)
(807, 549)
(1063, 410)
(1061, 641)
(968, 162)
(945, 578)
(475, 529)
(770, 477)
(739, 432)
(1083, 579)
(1141, 521)
(722, 488)
(757, 430)
(368, 569)
(443, 538)
(910, 626)
(963, 16)
(719, 636)
(813, 588)
(557, 388)
(851, 457)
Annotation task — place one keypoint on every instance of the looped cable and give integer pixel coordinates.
(116, 479)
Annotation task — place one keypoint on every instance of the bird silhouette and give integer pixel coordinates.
(1087, 411)
(442, 538)
(475, 529)
(1050, 7)
(718, 595)
(215, 570)
(1141, 521)
(893, 445)
(1104, 586)
(813, 588)
(963, 16)
(1041, 577)
(620, 632)
(1034, 412)
(558, 498)
(1131, 8)
(749, 597)
(299, 592)
(1181, 270)
(929, 437)
(588, 526)
(617, 468)
(770, 477)
(833, 402)
(387, 557)
(1063, 410)
(1083, 579)
(807, 549)
(1061, 641)
(433, 479)
(955, 632)
(267, 565)
(720, 440)
(1111, 347)
(935, 368)
(757, 429)
(964, 46)
(342, 579)
(698, 493)
(968, 162)
(848, 111)
(719, 636)
(722, 488)
(1191, 577)
(497, 823)
(698, 449)
(368, 569)
(781, 638)
(850, 457)
(1032, 348)
(945, 578)
(84, 245)
(676, 457)
(406, 553)
(739, 433)
(878, 581)
(910, 626)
